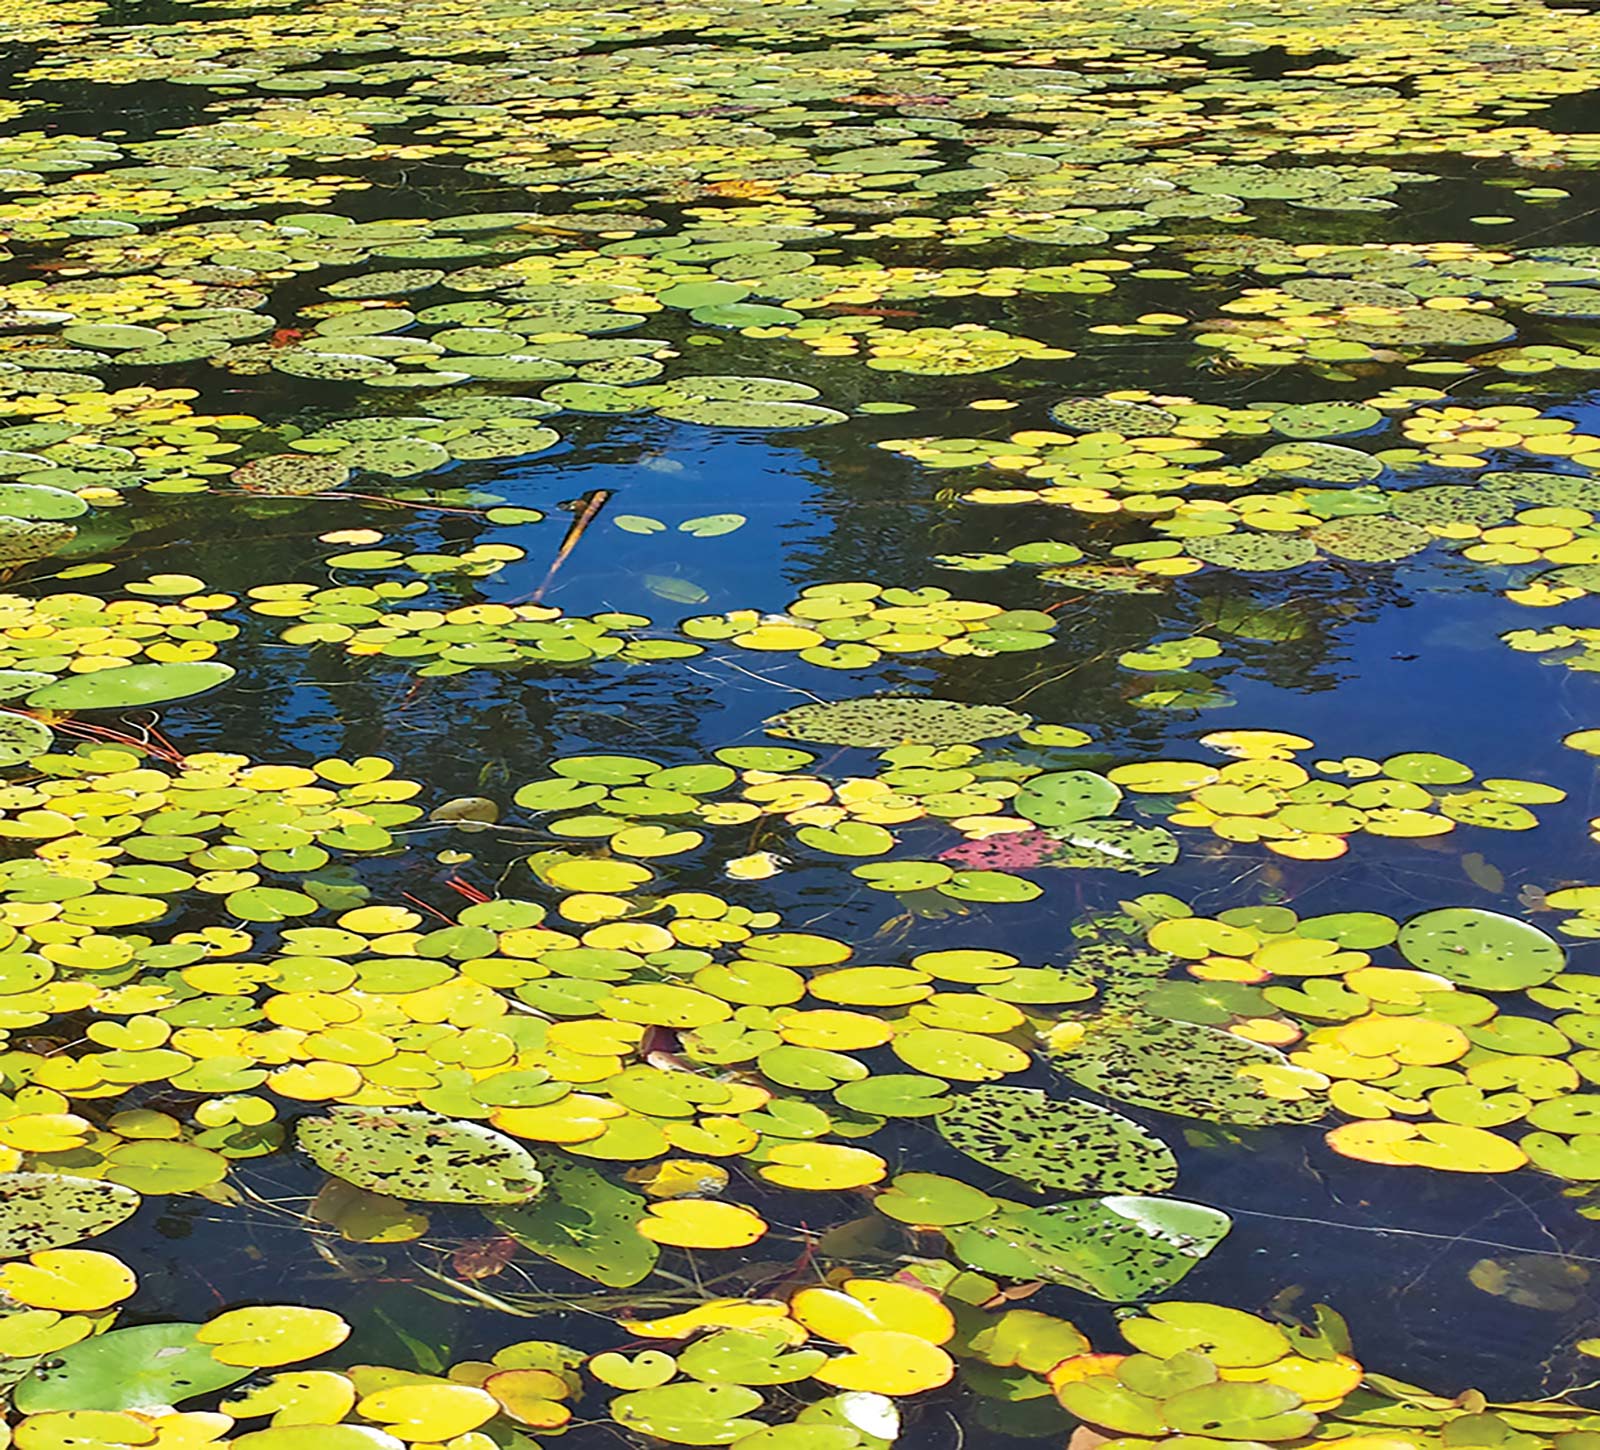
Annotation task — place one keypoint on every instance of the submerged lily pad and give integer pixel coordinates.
(585, 1223)
(22, 738)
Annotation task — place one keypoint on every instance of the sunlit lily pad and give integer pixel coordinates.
(878, 722)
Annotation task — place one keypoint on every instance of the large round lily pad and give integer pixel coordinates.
(1481, 949)
(1182, 1068)
(877, 722)
(415, 1154)
(141, 1368)
(1063, 796)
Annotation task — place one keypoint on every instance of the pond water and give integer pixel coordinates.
(799, 724)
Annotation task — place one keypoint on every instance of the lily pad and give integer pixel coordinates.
(55, 1210)
(22, 738)
(142, 1368)
(129, 685)
(413, 1154)
(1071, 1145)
(1119, 1248)
(1063, 797)
(1253, 553)
(585, 1223)
(877, 722)
(1182, 1068)
(1480, 949)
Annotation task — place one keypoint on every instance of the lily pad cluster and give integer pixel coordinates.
(1426, 1060)
(81, 636)
(364, 620)
(853, 625)
(1265, 795)
(550, 1049)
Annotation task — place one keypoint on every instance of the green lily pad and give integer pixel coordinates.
(129, 685)
(690, 1413)
(749, 1357)
(413, 1154)
(55, 1210)
(1325, 420)
(1481, 949)
(1071, 1145)
(142, 1368)
(877, 722)
(38, 501)
(1063, 797)
(931, 1200)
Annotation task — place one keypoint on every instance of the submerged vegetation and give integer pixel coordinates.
(538, 904)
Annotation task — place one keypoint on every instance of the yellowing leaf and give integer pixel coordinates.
(300, 1397)
(886, 1363)
(821, 1167)
(82, 1429)
(530, 1396)
(1449, 1146)
(272, 1334)
(692, 1223)
(429, 1412)
(72, 1279)
(718, 1314)
(863, 1306)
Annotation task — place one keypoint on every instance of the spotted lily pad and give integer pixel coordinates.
(1253, 553)
(1071, 1145)
(1182, 1068)
(877, 722)
(1119, 1248)
(51, 1210)
(413, 1154)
